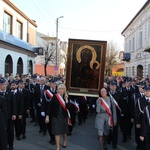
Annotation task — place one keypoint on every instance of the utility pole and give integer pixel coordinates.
(56, 67)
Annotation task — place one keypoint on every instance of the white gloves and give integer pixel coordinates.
(43, 114)
(93, 106)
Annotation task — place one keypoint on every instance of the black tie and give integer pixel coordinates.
(41, 89)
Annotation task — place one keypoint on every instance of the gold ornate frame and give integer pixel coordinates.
(85, 67)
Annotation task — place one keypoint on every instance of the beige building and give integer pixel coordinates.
(137, 44)
(17, 40)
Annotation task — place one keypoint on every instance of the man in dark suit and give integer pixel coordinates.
(139, 110)
(46, 100)
(134, 114)
(134, 86)
(29, 87)
(38, 96)
(33, 111)
(82, 115)
(115, 96)
(19, 104)
(145, 128)
(26, 106)
(3, 118)
(11, 110)
(125, 105)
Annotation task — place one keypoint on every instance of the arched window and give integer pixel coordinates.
(20, 66)
(140, 71)
(8, 65)
(30, 71)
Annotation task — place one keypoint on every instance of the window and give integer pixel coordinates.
(129, 73)
(149, 29)
(133, 71)
(19, 30)
(149, 69)
(129, 45)
(126, 48)
(140, 39)
(7, 26)
(126, 71)
(133, 44)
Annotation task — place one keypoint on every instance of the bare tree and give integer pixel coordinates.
(49, 54)
(111, 57)
(49, 51)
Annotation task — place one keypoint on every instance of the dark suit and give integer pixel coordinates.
(38, 96)
(59, 116)
(134, 115)
(11, 110)
(135, 89)
(82, 115)
(125, 105)
(3, 123)
(145, 130)
(26, 106)
(30, 88)
(34, 109)
(141, 104)
(19, 105)
(44, 107)
(114, 132)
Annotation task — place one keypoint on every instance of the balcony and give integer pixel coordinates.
(126, 57)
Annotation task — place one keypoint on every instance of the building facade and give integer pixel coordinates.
(57, 58)
(137, 44)
(17, 40)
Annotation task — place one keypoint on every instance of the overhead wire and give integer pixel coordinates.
(90, 30)
(49, 9)
(42, 7)
(46, 10)
(47, 19)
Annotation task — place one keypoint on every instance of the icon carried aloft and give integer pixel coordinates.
(85, 67)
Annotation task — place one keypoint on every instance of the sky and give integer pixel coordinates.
(102, 20)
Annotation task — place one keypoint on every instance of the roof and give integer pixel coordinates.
(143, 7)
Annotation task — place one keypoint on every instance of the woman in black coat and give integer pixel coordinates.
(58, 109)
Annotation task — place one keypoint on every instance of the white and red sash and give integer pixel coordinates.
(84, 97)
(62, 102)
(115, 102)
(74, 104)
(107, 108)
(49, 94)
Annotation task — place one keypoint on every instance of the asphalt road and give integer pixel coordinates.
(84, 137)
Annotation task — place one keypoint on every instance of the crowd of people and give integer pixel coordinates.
(123, 103)
(131, 98)
(45, 101)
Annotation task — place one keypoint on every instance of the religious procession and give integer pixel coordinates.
(122, 106)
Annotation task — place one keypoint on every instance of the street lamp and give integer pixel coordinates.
(56, 68)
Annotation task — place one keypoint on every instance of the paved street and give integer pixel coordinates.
(84, 138)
